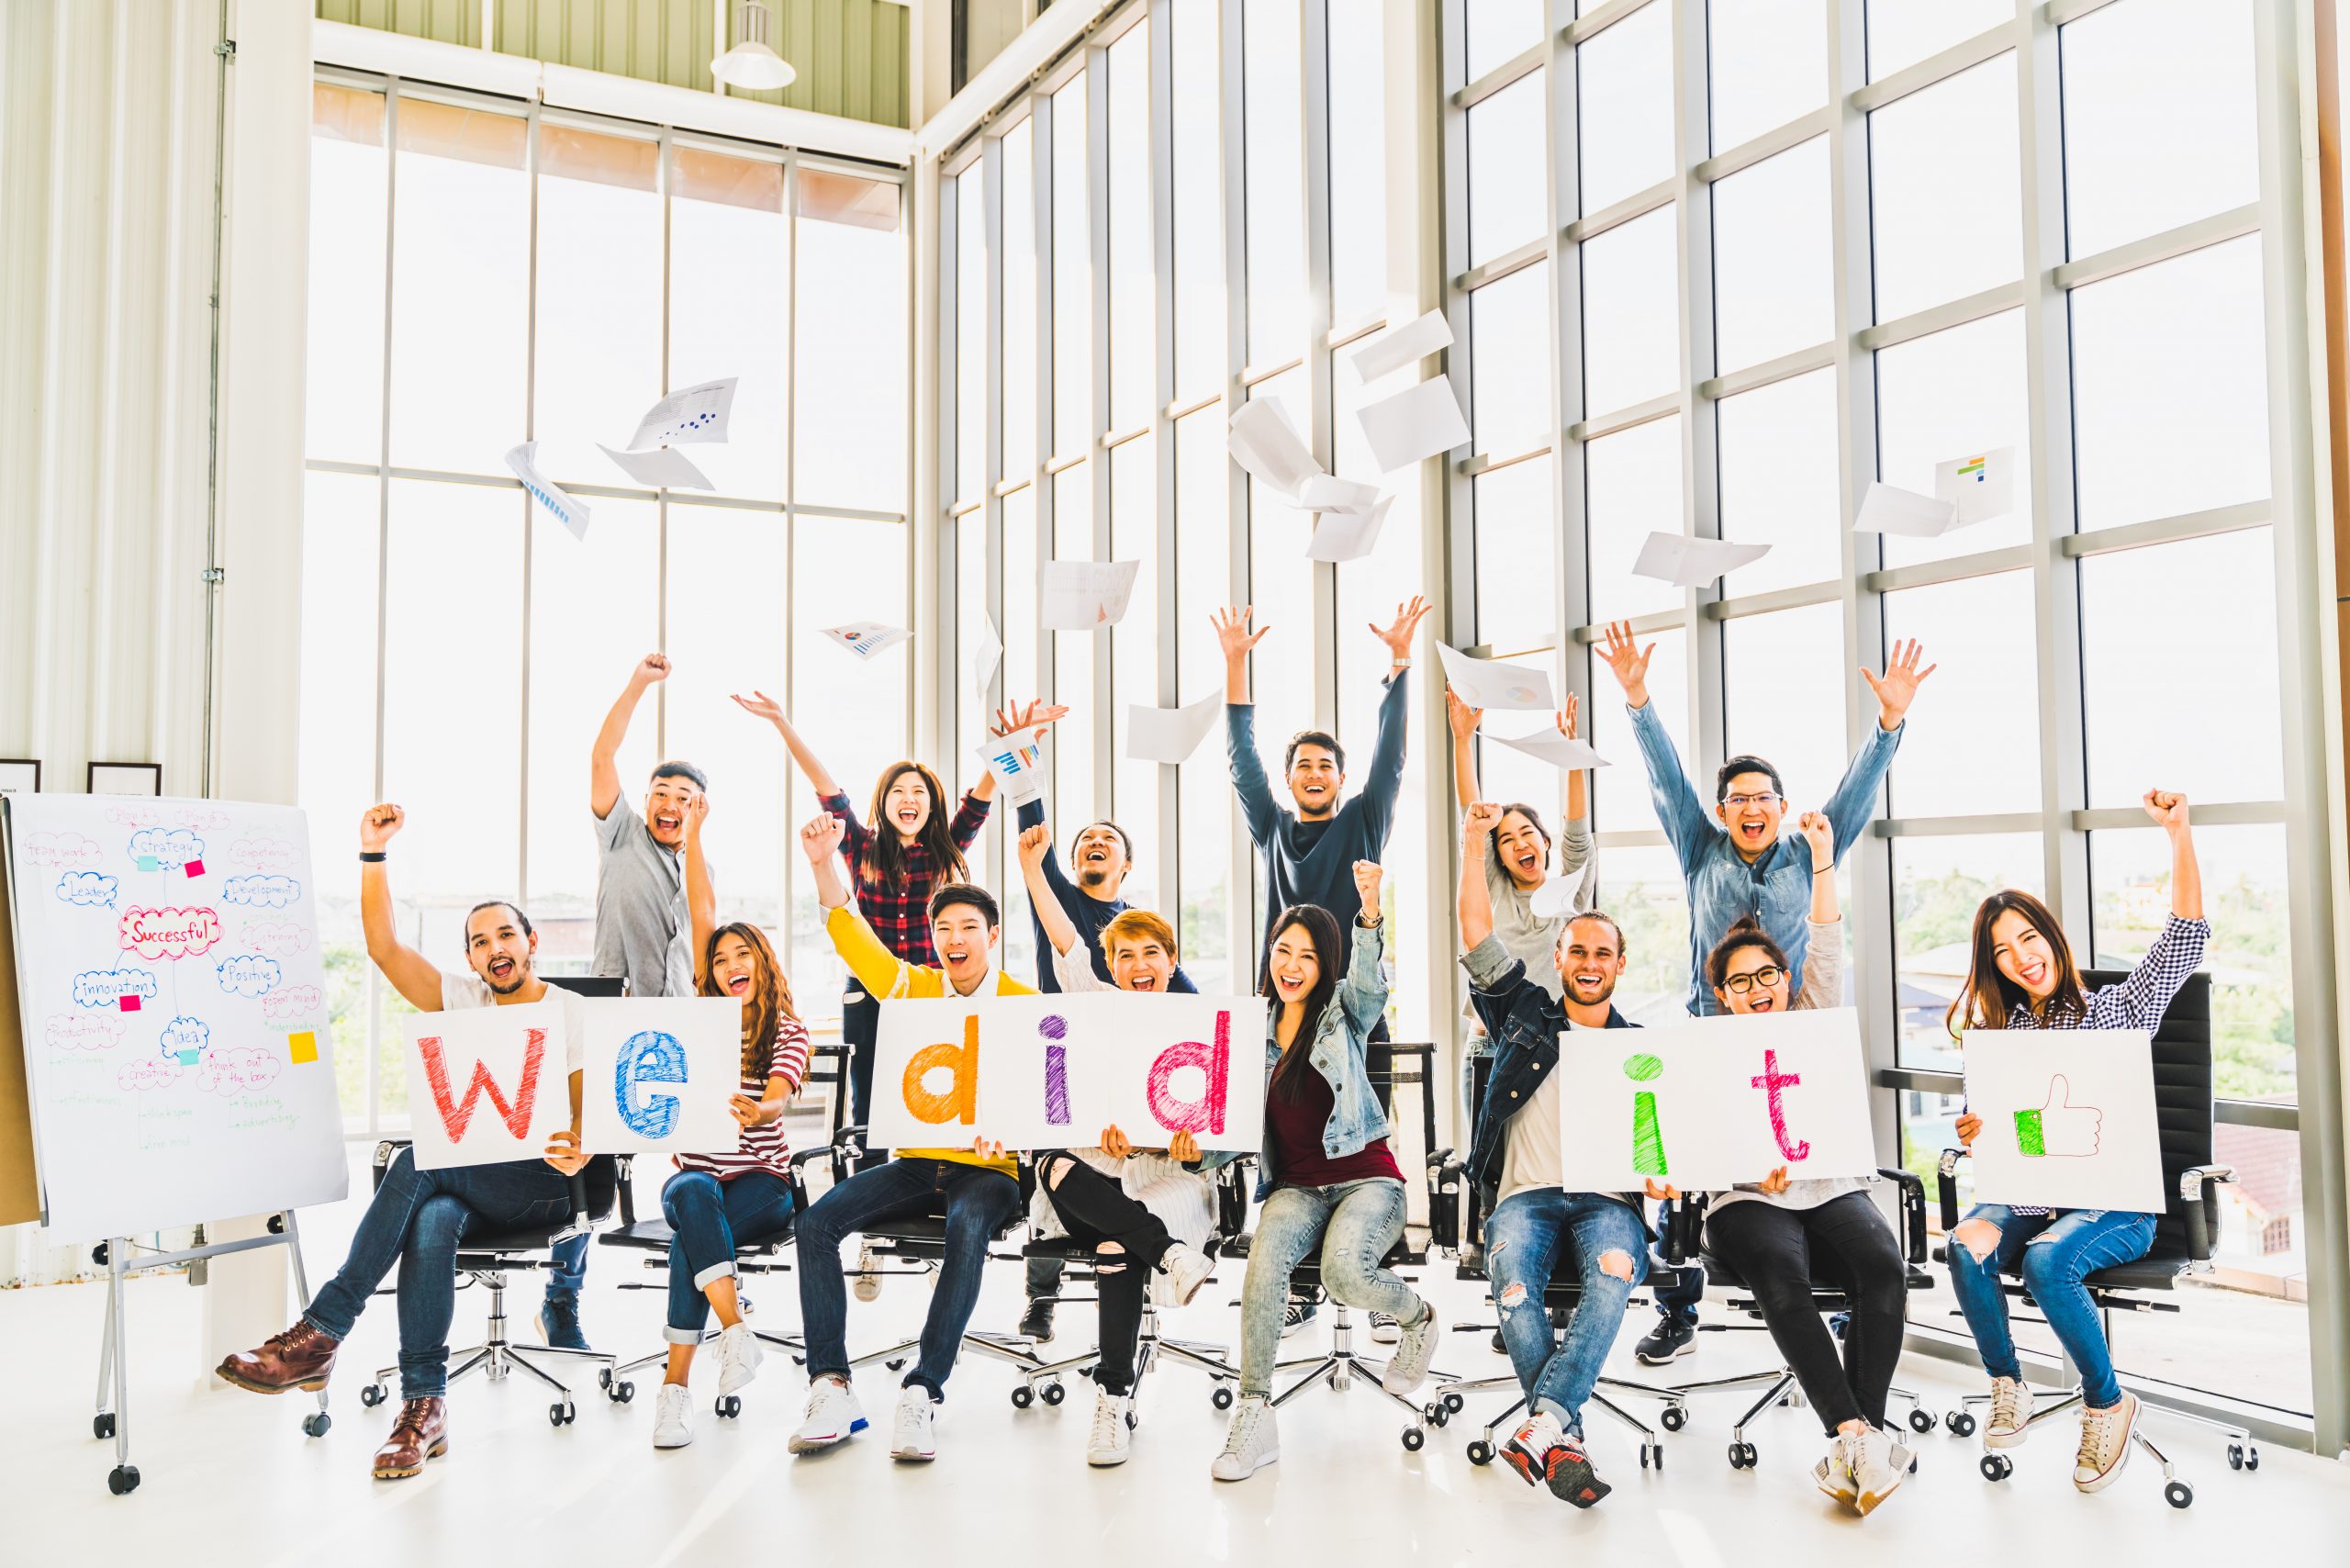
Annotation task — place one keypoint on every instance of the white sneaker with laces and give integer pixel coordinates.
(1879, 1466)
(673, 1417)
(1187, 1268)
(1415, 1347)
(1834, 1473)
(915, 1442)
(738, 1358)
(1113, 1432)
(2105, 1443)
(2009, 1421)
(832, 1415)
(868, 1283)
(1250, 1443)
(1385, 1329)
(1296, 1315)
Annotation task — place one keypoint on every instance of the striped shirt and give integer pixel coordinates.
(763, 1148)
(900, 913)
(2137, 1002)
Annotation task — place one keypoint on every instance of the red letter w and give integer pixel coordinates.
(455, 1117)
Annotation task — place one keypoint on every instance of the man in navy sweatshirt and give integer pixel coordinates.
(1102, 856)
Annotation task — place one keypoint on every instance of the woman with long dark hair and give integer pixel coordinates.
(2021, 975)
(717, 1202)
(1325, 1178)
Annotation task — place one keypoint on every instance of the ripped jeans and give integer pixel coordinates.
(2054, 1253)
(1523, 1240)
(1354, 1224)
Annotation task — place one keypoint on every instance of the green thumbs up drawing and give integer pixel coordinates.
(2058, 1129)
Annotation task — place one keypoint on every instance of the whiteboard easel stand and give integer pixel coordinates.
(112, 1418)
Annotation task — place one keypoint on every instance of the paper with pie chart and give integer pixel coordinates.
(1489, 683)
(2068, 1118)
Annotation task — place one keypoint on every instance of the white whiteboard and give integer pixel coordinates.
(177, 1042)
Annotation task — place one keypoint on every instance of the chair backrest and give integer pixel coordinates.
(2183, 1093)
(602, 1176)
(590, 985)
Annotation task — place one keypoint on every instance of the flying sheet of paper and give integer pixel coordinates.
(1551, 747)
(1413, 340)
(867, 638)
(690, 414)
(1555, 897)
(985, 657)
(1325, 493)
(1418, 423)
(1889, 509)
(1982, 487)
(1348, 536)
(1263, 442)
(1171, 735)
(1489, 683)
(664, 467)
(523, 460)
(1017, 760)
(1690, 562)
(1085, 596)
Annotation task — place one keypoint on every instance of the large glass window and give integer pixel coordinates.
(1945, 190)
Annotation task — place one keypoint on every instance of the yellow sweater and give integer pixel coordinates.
(887, 978)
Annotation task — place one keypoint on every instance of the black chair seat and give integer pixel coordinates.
(1057, 1247)
(2157, 1271)
(1826, 1293)
(654, 1236)
(495, 1245)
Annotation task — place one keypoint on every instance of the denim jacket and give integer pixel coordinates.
(1356, 1121)
(1524, 1023)
(1776, 888)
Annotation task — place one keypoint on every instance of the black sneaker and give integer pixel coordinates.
(1672, 1338)
(1501, 1346)
(1296, 1315)
(559, 1323)
(1037, 1323)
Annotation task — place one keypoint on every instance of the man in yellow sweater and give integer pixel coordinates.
(978, 1186)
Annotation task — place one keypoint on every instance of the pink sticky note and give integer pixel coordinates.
(129, 1003)
(196, 868)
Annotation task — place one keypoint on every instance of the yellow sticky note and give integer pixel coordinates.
(302, 1047)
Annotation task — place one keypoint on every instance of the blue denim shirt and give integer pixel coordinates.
(1776, 888)
(1356, 1121)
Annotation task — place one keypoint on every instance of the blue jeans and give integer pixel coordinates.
(415, 1219)
(1677, 1302)
(567, 1268)
(2054, 1253)
(978, 1201)
(1522, 1245)
(1355, 1224)
(710, 1218)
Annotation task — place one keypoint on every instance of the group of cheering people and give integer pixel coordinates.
(901, 908)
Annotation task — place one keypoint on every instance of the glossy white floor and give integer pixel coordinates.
(229, 1476)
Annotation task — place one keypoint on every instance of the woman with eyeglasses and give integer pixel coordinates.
(1779, 1234)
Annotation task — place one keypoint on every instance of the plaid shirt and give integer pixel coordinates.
(2138, 1002)
(899, 915)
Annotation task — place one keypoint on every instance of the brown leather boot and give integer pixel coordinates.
(299, 1357)
(420, 1433)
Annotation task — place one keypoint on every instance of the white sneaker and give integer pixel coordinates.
(738, 1358)
(1385, 1329)
(832, 1415)
(1296, 1315)
(1107, 1443)
(1415, 1349)
(2010, 1419)
(1833, 1475)
(2105, 1443)
(673, 1417)
(914, 1443)
(1250, 1443)
(868, 1283)
(1879, 1466)
(1187, 1268)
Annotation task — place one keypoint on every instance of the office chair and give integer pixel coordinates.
(487, 1260)
(1828, 1296)
(2184, 1232)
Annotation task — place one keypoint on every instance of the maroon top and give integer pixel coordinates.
(1296, 1126)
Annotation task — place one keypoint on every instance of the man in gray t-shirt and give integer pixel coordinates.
(641, 929)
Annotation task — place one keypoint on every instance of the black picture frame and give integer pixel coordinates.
(12, 780)
(152, 772)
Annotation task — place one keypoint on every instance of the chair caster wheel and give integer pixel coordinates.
(562, 1414)
(1454, 1404)
(1480, 1452)
(2252, 1458)
(1053, 1393)
(122, 1480)
(2178, 1493)
(1675, 1417)
(620, 1393)
(604, 1379)
(1023, 1397)
(102, 1427)
(1921, 1420)
(1644, 1456)
(372, 1394)
(898, 1365)
(1961, 1424)
(1995, 1467)
(1658, 1450)
(728, 1406)
(315, 1424)
(1741, 1456)
(1436, 1414)
(1221, 1398)
(1412, 1438)
(2235, 1457)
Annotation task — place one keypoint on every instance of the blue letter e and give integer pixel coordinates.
(649, 1057)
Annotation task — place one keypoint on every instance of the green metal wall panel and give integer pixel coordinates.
(443, 21)
(651, 40)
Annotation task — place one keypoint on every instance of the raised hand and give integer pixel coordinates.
(1476, 828)
(376, 825)
(1367, 878)
(760, 705)
(1013, 718)
(1822, 835)
(1232, 633)
(697, 812)
(1629, 661)
(1898, 686)
(1398, 637)
(1036, 843)
(1569, 714)
(2168, 808)
(651, 670)
(1464, 717)
(821, 839)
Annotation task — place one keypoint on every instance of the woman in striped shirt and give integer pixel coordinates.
(717, 1202)
(2021, 976)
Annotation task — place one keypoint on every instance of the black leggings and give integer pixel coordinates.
(1844, 1241)
(1095, 1209)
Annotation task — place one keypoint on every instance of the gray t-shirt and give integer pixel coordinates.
(642, 926)
(1530, 938)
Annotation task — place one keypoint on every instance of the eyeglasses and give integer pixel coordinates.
(1738, 985)
(1765, 799)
